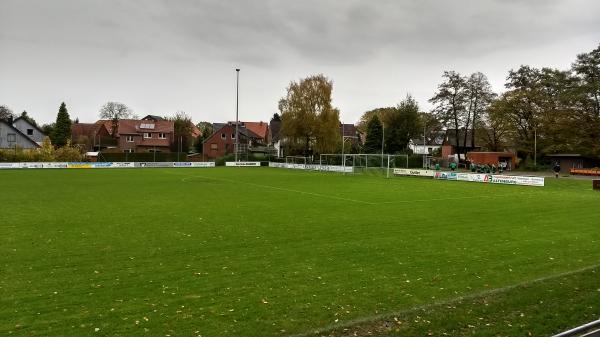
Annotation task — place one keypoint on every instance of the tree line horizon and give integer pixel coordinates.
(557, 109)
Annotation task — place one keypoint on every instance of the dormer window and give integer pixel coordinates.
(162, 136)
(147, 135)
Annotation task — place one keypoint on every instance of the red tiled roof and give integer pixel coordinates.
(132, 126)
(195, 131)
(86, 129)
(259, 128)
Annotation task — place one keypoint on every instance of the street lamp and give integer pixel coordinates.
(237, 104)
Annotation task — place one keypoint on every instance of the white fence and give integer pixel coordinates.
(86, 165)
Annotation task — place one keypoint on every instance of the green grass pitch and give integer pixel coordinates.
(269, 252)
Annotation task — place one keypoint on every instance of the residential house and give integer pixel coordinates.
(449, 145)
(93, 136)
(11, 137)
(30, 130)
(145, 135)
(428, 146)
(222, 141)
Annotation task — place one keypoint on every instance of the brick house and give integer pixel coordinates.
(145, 135)
(93, 136)
(222, 141)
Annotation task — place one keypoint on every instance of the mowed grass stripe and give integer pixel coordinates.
(222, 248)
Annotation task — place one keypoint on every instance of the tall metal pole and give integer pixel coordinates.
(237, 105)
(535, 147)
(424, 148)
(382, 141)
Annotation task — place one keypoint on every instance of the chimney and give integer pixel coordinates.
(10, 119)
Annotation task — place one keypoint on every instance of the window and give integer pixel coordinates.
(147, 126)
(162, 136)
(11, 137)
(129, 139)
(147, 135)
(128, 151)
(233, 136)
(223, 136)
(30, 132)
(213, 146)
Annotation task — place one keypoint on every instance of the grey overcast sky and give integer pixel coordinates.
(160, 56)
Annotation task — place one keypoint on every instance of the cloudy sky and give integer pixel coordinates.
(161, 56)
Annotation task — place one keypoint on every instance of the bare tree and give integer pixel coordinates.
(5, 112)
(115, 111)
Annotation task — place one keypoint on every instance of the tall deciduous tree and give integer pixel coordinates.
(402, 126)
(114, 111)
(479, 96)
(62, 127)
(182, 126)
(309, 123)
(374, 137)
(449, 102)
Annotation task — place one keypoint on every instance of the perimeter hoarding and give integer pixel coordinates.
(242, 163)
(414, 173)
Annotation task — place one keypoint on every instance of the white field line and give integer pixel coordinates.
(390, 315)
(185, 179)
(282, 189)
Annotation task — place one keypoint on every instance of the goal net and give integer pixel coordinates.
(377, 164)
(298, 160)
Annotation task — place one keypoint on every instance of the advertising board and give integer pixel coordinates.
(413, 172)
(444, 175)
(242, 163)
(79, 165)
(203, 164)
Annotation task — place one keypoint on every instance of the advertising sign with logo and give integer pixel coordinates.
(122, 165)
(446, 175)
(242, 163)
(79, 165)
(10, 165)
(203, 164)
(413, 173)
(55, 165)
(155, 164)
(182, 164)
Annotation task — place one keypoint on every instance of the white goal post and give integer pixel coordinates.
(366, 162)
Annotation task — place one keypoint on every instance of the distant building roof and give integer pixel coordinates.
(132, 126)
(259, 128)
(153, 118)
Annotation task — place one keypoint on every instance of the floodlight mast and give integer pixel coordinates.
(237, 105)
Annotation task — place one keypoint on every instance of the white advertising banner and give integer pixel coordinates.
(203, 164)
(501, 179)
(314, 167)
(10, 165)
(242, 163)
(54, 165)
(413, 172)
